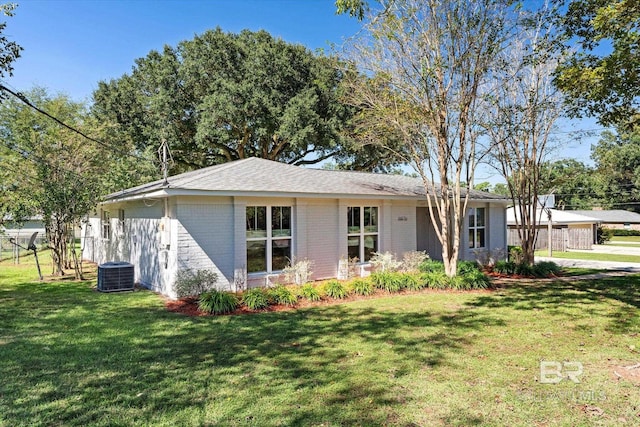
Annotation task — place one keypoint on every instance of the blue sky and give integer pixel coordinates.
(71, 45)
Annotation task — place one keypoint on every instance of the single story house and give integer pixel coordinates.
(570, 230)
(24, 229)
(246, 219)
(614, 219)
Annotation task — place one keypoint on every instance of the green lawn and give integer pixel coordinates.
(635, 239)
(74, 357)
(591, 256)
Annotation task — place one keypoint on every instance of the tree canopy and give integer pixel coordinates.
(224, 96)
(601, 76)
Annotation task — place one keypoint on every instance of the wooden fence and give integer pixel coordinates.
(562, 238)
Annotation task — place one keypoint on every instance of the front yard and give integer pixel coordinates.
(72, 356)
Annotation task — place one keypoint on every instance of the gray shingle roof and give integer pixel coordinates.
(612, 216)
(255, 175)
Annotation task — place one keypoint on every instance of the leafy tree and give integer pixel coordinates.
(54, 171)
(223, 96)
(425, 63)
(9, 50)
(617, 159)
(601, 76)
(573, 184)
(522, 110)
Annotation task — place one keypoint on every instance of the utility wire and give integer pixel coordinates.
(24, 99)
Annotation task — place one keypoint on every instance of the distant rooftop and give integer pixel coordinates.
(612, 216)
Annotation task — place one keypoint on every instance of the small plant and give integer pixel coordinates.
(335, 289)
(387, 280)
(412, 260)
(385, 261)
(191, 283)
(546, 269)
(218, 302)
(467, 266)
(282, 295)
(524, 269)
(362, 287)
(515, 254)
(435, 279)
(412, 282)
(255, 299)
(298, 271)
(310, 292)
(457, 283)
(431, 265)
(476, 279)
(505, 267)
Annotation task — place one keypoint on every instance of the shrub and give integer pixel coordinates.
(412, 282)
(546, 269)
(515, 254)
(310, 292)
(435, 279)
(335, 289)
(387, 280)
(412, 260)
(505, 267)
(218, 302)
(255, 299)
(191, 283)
(524, 269)
(362, 287)
(624, 232)
(282, 295)
(476, 279)
(385, 261)
(431, 265)
(458, 283)
(298, 271)
(464, 267)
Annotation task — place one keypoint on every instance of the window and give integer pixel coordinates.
(362, 232)
(106, 225)
(476, 228)
(268, 238)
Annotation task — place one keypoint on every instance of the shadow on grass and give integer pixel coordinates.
(76, 357)
(564, 297)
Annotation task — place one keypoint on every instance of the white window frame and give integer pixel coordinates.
(474, 228)
(270, 238)
(105, 225)
(362, 233)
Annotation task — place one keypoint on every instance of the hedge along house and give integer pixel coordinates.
(247, 219)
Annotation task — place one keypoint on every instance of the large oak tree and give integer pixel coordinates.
(223, 96)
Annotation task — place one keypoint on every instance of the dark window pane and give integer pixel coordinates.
(480, 217)
(471, 241)
(370, 246)
(353, 219)
(256, 221)
(281, 221)
(280, 254)
(353, 247)
(480, 238)
(371, 219)
(472, 218)
(256, 256)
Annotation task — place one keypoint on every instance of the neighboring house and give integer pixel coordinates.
(24, 230)
(246, 219)
(615, 219)
(569, 229)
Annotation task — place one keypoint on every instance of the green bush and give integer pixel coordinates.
(546, 269)
(464, 267)
(515, 254)
(191, 283)
(624, 232)
(476, 279)
(412, 282)
(218, 302)
(310, 292)
(603, 235)
(505, 267)
(435, 279)
(362, 287)
(431, 265)
(387, 280)
(282, 295)
(335, 289)
(255, 299)
(458, 283)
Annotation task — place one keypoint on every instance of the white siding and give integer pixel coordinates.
(323, 237)
(402, 228)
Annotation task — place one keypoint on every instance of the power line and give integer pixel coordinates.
(25, 100)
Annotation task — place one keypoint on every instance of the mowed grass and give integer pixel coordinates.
(74, 357)
(591, 256)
